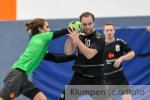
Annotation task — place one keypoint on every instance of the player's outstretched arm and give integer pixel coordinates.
(60, 33)
(59, 58)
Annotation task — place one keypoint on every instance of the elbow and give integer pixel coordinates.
(89, 56)
(133, 54)
(68, 52)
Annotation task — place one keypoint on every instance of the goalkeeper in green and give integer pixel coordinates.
(16, 81)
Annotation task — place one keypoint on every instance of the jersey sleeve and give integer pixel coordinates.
(59, 58)
(99, 42)
(47, 36)
(60, 33)
(125, 46)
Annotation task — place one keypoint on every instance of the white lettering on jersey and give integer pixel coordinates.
(87, 42)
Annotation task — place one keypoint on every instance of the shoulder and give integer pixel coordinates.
(48, 34)
(99, 35)
(44, 36)
(120, 41)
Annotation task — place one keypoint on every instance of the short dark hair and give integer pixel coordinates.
(108, 23)
(87, 14)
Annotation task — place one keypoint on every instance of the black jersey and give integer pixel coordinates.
(112, 52)
(94, 65)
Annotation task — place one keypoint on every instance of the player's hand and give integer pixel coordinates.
(117, 62)
(70, 30)
(73, 35)
(148, 28)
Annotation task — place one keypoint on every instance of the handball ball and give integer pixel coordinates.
(148, 28)
(77, 25)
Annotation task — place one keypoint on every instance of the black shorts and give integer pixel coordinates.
(117, 78)
(16, 83)
(118, 81)
(81, 79)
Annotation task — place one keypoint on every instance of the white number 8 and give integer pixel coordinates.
(118, 48)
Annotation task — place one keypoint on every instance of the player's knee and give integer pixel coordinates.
(40, 96)
(126, 97)
(62, 97)
(1, 98)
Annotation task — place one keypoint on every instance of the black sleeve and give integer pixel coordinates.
(60, 33)
(59, 58)
(125, 46)
(99, 42)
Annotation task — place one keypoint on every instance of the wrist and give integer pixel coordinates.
(77, 40)
(122, 58)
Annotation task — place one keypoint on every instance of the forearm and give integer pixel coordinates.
(128, 56)
(87, 52)
(60, 33)
(69, 46)
(59, 58)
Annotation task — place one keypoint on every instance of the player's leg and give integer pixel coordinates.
(62, 95)
(76, 80)
(126, 97)
(33, 92)
(124, 86)
(39, 96)
(1, 98)
(12, 85)
(109, 83)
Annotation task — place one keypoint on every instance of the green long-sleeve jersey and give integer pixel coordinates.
(34, 53)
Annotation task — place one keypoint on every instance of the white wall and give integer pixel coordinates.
(56, 9)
